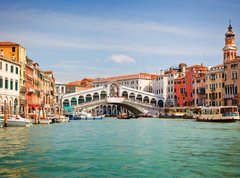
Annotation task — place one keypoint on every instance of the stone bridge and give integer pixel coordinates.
(136, 101)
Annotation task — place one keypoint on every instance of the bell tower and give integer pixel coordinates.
(230, 49)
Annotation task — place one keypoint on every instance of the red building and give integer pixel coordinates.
(179, 86)
(190, 72)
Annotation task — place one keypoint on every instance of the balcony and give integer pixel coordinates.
(229, 96)
(23, 89)
(23, 101)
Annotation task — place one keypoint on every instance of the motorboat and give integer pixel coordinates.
(45, 121)
(84, 115)
(17, 122)
(218, 114)
(123, 115)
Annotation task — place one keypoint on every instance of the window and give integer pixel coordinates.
(16, 85)
(6, 83)
(16, 70)
(11, 84)
(11, 69)
(1, 82)
(13, 49)
(0, 65)
(6, 67)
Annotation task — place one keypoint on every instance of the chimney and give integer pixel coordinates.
(161, 72)
(2, 53)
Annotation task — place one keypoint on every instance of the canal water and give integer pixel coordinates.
(122, 148)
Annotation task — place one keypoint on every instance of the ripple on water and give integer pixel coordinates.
(119, 148)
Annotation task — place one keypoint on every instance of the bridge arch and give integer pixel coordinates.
(125, 94)
(96, 96)
(88, 98)
(114, 89)
(73, 101)
(153, 101)
(132, 96)
(139, 98)
(146, 99)
(103, 94)
(81, 99)
(65, 103)
(160, 103)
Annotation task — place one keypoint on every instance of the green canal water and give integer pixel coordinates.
(122, 148)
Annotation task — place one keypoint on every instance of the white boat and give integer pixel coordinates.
(19, 122)
(45, 121)
(218, 114)
(84, 115)
(62, 119)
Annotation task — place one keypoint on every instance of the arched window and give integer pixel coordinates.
(96, 96)
(88, 98)
(125, 94)
(139, 97)
(146, 99)
(103, 94)
(65, 102)
(73, 101)
(80, 99)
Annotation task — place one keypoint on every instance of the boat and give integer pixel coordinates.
(19, 122)
(123, 115)
(173, 112)
(45, 121)
(84, 115)
(218, 114)
(61, 119)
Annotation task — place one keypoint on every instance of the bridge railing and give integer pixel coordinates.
(116, 100)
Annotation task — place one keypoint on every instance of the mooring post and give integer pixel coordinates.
(5, 114)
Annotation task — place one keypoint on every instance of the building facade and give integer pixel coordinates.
(215, 86)
(9, 84)
(231, 69)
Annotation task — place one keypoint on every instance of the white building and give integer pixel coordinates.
(60, 90)
(164, 84)
(140, 81)
(9, 84)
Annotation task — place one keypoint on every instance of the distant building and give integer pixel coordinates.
(231, 70)
(79, 85)
(140, 81)
(215, 86)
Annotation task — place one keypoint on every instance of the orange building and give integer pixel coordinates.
(79, 85)
(190, 72)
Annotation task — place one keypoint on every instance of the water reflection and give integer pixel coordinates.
(13, 141)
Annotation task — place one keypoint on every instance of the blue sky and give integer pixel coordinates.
(93, 38)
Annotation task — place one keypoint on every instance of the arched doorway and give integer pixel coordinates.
(160, 103)
(114, 90)
(80, 100)
(132, 96)
(15, 106)
(88, 98)
(103, 94)
(139, 98)
(125, 94)
(95, 96)
(153, 101)
(146, 99)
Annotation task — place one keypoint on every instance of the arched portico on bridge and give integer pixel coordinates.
(115, 95)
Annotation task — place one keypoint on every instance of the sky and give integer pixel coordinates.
(100, 38)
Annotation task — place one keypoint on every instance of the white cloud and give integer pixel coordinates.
(122, 59)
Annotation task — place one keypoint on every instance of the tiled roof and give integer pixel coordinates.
(80, 82)
(196, 66)
(8, 43)
(180, 77)
(217, 66)
(124, 77)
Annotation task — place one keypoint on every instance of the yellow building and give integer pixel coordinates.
(215, 86)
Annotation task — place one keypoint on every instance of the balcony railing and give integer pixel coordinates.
(23, 89)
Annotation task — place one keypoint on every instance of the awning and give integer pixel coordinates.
(68, 108)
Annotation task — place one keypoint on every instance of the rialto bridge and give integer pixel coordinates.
(112, 98)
